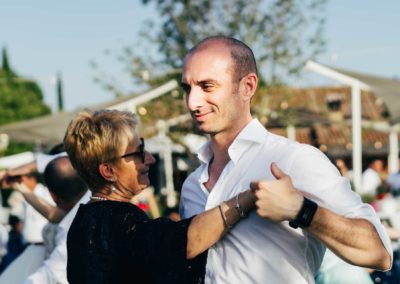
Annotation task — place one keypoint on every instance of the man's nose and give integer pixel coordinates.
(194, 99)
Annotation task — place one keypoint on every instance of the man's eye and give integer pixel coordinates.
(207, 87)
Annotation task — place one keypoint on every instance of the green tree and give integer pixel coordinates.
(20, 98)
(283, 34)
(60, 98)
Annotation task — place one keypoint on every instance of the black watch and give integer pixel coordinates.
(305, 215)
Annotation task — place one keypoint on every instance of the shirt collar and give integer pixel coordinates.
(68, 218)
(253, 132)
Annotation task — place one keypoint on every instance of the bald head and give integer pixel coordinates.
(62, 179)
(243, 61)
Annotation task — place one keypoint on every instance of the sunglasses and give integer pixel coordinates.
(138, 154)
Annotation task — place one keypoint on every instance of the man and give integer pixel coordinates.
(68, 191)
(32, 219)
(220, 78)
(371, 179)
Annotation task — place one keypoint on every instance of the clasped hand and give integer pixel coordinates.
(277, 200)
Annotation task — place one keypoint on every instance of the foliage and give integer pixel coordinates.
(15, 148)
(283, 34)
(19, 98)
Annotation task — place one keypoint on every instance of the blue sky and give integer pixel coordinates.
(47, 36)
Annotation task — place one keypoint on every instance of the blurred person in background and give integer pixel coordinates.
(344, 169)
(3, 241)
(11, 177)
(33, 221)
(15, 242)
(371, 178)
(49, 265)
(393, 181)
(334, 270)
(147, 202)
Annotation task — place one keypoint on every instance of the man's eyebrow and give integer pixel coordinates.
(207, 81)
(200, 82)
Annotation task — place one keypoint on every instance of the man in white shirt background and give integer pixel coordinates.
(303, 202)
(68, 192)
(33, 221)
(371, 179)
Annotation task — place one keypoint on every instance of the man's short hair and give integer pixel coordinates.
(62, 179)
(242, 55)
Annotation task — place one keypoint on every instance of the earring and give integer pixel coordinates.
(113, 188)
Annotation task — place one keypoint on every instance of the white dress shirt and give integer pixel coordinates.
(257, 250)
(54, 268)
(33, 220)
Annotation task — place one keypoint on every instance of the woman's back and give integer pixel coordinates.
(115, 242)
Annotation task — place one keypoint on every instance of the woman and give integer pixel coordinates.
(113, 241)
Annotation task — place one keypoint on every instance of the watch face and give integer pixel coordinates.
(305, 215)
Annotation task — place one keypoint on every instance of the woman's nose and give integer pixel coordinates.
(149, 158)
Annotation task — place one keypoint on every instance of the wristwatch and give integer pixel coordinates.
(305, 215)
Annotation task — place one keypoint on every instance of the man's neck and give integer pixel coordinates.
(220, 144)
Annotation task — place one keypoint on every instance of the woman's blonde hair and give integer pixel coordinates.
(93, 138)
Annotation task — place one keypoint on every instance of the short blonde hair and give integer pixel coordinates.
(93, 138)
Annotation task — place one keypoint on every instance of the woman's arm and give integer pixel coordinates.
(208, 227)
(52, 213)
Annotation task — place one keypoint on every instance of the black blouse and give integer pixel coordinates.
(115, 242)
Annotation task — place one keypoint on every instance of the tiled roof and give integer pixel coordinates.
(303, 134)
(315, 101)
(387, 89)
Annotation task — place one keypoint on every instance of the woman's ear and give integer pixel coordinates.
(106, 171)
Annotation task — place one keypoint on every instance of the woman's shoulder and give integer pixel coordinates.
(101, 211)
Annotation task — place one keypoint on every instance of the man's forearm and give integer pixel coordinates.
(354, 240)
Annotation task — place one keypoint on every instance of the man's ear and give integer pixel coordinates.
(106, 171)
(249, 86)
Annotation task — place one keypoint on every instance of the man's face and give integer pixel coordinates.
(212, 93)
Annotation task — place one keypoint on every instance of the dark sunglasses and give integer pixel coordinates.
(138, 154)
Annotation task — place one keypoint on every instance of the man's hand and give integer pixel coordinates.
(277, 200)
(21, 187)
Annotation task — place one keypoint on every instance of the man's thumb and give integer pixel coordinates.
(276, 171)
